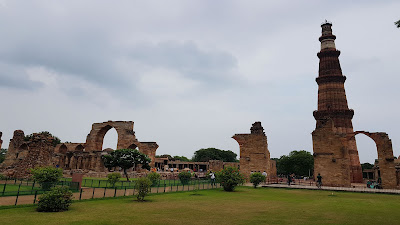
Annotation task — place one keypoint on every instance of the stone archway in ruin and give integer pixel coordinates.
(385, 157)
(126, 135)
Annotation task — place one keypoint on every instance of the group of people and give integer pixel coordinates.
(375, 184)
(319, 180)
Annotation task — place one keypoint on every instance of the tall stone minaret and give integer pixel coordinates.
(332, 102)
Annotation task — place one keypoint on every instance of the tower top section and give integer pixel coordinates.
(327, 39)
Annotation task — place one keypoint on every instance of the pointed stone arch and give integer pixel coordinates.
(126, 135)
(385, 156)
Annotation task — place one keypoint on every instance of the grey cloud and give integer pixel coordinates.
(13, 76)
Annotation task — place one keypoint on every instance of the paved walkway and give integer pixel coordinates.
(349, 189)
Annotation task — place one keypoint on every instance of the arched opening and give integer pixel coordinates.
(79, 148)
(368, 154)
(22, 151)
(63, 149)
(110, 138)
(132, 146)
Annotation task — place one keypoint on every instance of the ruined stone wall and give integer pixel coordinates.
(149, 148)
(254, 153)
(386, 161)
(23, 155)
(86, 157)
(126, 135)
(331, 158)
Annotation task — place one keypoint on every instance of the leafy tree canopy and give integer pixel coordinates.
(206, 154)
(3, 152)
(297, 162)
(126, 159)
(367, 166)
(181, 158)
(56, 140)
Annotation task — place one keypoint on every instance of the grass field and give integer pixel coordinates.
(244, 206)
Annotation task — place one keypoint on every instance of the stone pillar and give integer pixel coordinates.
(254, 153)
(149, 148)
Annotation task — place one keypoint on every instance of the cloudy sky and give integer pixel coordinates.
(191, 74)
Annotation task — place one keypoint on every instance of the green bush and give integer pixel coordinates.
(256, 178)
(154, 178)
(47, 177)
(113, 178)
(142, 185)
(56, 200)
(229, 178)
(184, 177)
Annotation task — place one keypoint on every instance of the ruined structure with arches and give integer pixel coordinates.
(334, 145)
(39, 150)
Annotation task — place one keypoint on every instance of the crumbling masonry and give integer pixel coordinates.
(254, 153)
(39, 150)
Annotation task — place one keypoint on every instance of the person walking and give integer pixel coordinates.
(212, 176)
(319, 180)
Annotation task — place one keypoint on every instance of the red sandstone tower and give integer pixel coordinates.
(332, 102)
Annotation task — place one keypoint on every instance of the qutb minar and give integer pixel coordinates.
(332, 102)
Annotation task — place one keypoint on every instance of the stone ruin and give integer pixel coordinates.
(332, 158)
(254, 153)
(335, 150)
(39, 150)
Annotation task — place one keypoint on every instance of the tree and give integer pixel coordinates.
(113, 178)
(229, 178)
(154, 178)
(206, 154)
(181, 158)
(142, 185)
(256, 178)
(367, 166)
(297, 162)
(3, 153)
(184, 177)
(56, 200)
(397, 23)
(47, 177)
(126, 159)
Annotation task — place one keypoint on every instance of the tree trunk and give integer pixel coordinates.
(126, 175)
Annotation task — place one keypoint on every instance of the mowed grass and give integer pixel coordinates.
(244, 206)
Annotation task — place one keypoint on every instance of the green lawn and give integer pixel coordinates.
(244, 206)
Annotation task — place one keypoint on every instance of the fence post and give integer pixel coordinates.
(33, 185)
(125, 191)
(80, 195)
(34, 200)
(16, 200)
(115, 192)
(91, 185)
(4, 188)
(104, 195)
(93, 193)
(99, 184)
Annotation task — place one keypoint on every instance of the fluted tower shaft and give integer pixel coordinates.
(332, 101)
